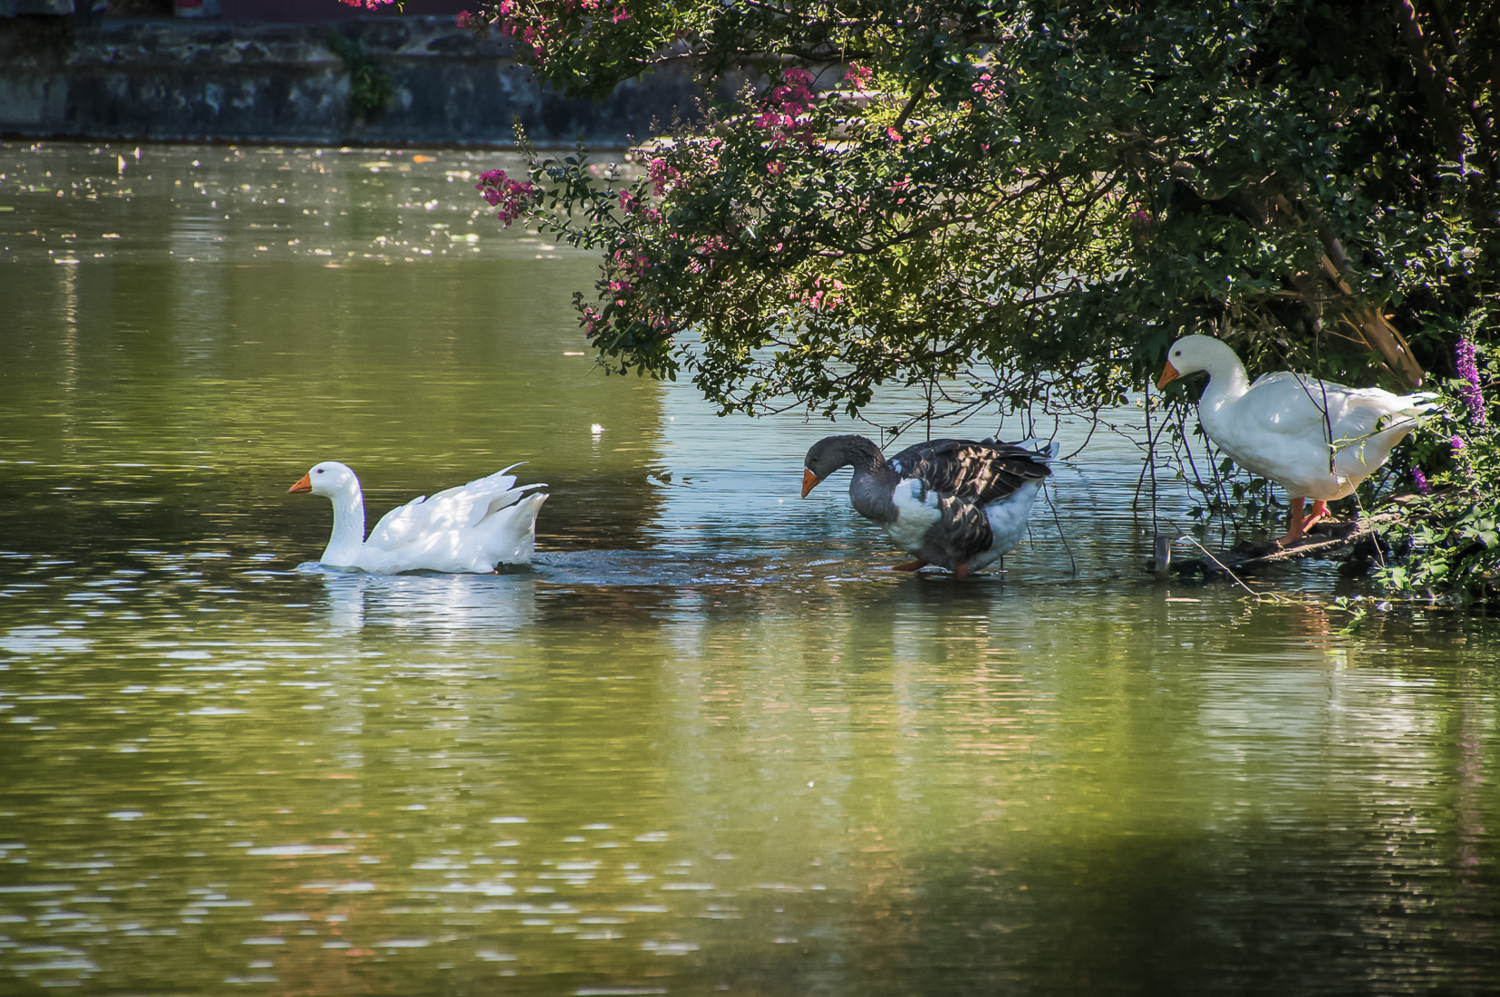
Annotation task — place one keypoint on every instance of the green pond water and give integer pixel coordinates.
(707, 742)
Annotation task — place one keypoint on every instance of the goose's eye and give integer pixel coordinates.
(1177, 354)
(320, 470)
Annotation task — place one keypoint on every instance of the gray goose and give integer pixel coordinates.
(958, 504)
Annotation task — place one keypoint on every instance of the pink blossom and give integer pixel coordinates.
(465, 19)
(662, 176)
(892, 134)
(591, 320)
(627, 201)
(821, 298)
(367, 4)
(621, 14)
(988, 87)
(512, 197)
(775, 168)
(786, 103)
(858, 76)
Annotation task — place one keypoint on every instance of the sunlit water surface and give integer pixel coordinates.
(708, 742)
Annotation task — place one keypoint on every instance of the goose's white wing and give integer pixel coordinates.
(917, 509)
(1282, 427)
(460, 508)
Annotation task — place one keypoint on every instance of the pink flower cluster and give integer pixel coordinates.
(539, 28)
(989, 87)
(628, 288)
(591, 321)
(821, 298)
(858, 76)
(704, 252)
(512, 197)
(628, 268)
(631, 205)
(787, 105)
(663, 176)
(512, 25)
(367, 4)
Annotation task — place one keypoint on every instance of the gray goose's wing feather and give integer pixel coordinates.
(975, 472)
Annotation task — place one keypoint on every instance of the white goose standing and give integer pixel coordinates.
(470, 528)
(1316, 439)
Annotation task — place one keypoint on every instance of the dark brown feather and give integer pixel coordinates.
(976, 472)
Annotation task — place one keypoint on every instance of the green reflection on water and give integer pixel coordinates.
(705, 742)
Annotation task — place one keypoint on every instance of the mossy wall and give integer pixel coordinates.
(203, 80)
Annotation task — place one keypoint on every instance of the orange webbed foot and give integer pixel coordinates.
(1319, 513)
(916, 565)
(1296, 527)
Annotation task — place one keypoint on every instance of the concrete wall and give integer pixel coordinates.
(207, 80)
(322, 11)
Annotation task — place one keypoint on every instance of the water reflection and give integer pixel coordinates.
(445, 607)
(707, 740)
(210, 367)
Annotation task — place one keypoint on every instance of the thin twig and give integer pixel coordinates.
(1092, 429)
(1066, 546)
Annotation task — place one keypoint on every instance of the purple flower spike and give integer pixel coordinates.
(1468, 370)
(1421, 480)
(1457, 442)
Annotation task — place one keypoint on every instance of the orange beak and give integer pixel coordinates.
(304, 484)
(809, 482)
(1168, 375)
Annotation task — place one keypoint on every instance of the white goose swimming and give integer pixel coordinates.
(1277, 427)
(470, 528)
(958, 504)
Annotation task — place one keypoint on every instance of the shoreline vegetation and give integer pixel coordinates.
(1018, 207)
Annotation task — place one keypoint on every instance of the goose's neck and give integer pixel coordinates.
(1227, 382)
(870, 487)
(348, 527)
(865, 457)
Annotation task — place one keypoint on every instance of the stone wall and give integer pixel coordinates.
(203, 80)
